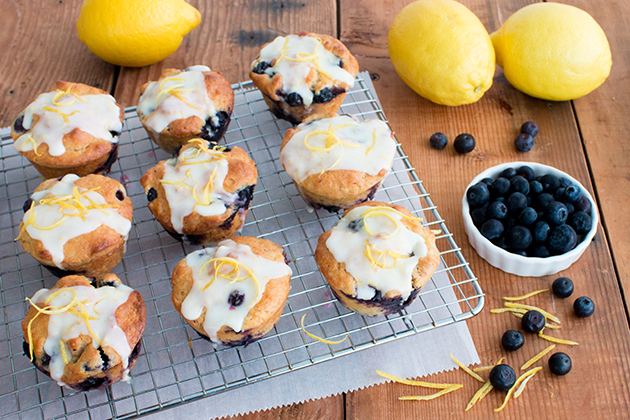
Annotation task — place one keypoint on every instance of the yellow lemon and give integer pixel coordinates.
(442, 51)
(553, 51)
(135, 33)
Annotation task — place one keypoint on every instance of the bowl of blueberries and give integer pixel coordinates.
(528, 219)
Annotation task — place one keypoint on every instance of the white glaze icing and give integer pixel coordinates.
(176, 97)
(49, 214)
(341, 142)
(96, 115)
(349, 247)
(192, 171)
(99, 303)
(283, 53)
(214, 299)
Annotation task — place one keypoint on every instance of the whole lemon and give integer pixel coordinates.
(553, 51)
(442, 51)
(135, 33)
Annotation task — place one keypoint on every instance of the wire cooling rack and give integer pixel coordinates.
(177, 365)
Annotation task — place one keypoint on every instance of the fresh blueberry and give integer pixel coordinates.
(500, 187)
(556, 213)
(560, 364)
(572, 193)
(570, 208)
(564, 182)
(497, 210)
(583, 307)
(479, 216)
(516, 202)
(488, 181)
(533, 321)
(261, 67)
(543, 200)
(508, 173)
(562, 287)
(526, 172)
(151, 194)
(561, 239)
(539, 251)
(478, 195)
(501, 199)
(464, 143)
(524, 142)
(236, 298)
(438, 141)
(502, 377)
(492, 229)
(541, 232)
(583, 204)
(518, 238)
(294, 99)
(580, 222)
(512, 340)
(559, 194)
(500, 242)
(535, 187)
(550, 183)
(519, 184)
(527, 217)
(520, 252)
(529, 127)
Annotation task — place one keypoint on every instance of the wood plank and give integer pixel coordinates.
(596, 388)
(38, 46)
(604, 125)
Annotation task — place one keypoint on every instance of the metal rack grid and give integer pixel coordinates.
(177, 365)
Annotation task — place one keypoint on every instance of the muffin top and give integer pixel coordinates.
(337, 143)
(70, 107)
(380, 245)
(61, 210)
(228, 281)
(74, 312)
(183, 94)
(306, 63)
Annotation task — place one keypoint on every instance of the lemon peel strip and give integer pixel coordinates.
(414, 383)
(518, 381)
(513, 310)
(30, 139)
(63, 351)
(467, 369)
(319, 338)
(533, 308)
(232, 276)
(479, 395)
(432, 396)
(557, 340)
(521, 388)
(56, 111)
(525, 296)
(537, 357)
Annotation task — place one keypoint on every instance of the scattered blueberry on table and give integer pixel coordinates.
(533, 321)
(512, 340)
(502, 377)
(529, 127)
(438, 141)
(562, 287)
(584, 307)
(560, 364)
(464, 143)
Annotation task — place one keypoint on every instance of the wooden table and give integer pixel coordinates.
(586, 138)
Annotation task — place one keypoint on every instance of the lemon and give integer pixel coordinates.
(553, 51)
(135, 33)
(442, 51)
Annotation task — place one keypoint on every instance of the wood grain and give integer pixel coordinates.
(38, 46)
(495, 121)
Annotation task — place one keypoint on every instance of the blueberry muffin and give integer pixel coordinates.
(339, 161)
(232, 293)
(182, 105)
(72, 129)
(304, 75)
(85, 333)
(377, 258)
(77, 225)
(202, 196)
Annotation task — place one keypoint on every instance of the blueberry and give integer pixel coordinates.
(294, 99)
(508, 173)
(564, 182)
(541, 232)
(501, 199)
(500, 187)
(562, 239)
(120, 195)
(570, 208)
(356, 225)
(497, 210)
(438, 141)
(562, 287)
(559, 194)
(516, 202)
(492, 229)
(512, 340)
(520, 252)
(529, 127)
(151, 194)
(478, 195)
(519, 184)
(323, 96)
(556, 213)
(533, 321)
(560, 364)
(583, 204)
(464, 143)
(479, 216)
(500, 242)
(524, 142)
(261, 67)
(236, 298)
(527, 217)
(583, 307)
(572, 193)
(550, 183)
(488, 181)
(518, 238)
(535, 187)
(17, 125)
(539, 251)
(526, 172)
(27, 205)
(543, 200)
(502, 377)
(580, 222)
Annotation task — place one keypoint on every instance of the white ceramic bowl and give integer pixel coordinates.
(517, 264)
